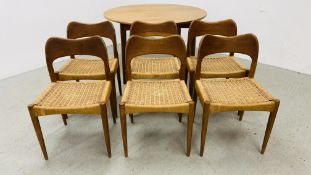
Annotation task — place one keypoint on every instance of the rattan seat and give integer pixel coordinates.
(218, 67)
(234, 94)
(143, 67)
(156, 96)
(72, 97)
(86, 69)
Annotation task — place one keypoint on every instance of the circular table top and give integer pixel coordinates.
(154, 13)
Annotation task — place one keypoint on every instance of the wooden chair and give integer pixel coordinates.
(213, 66)
(88, 68)
(221, 95)
(155, 67)
(169, 95)
(62, 97)
(164, 67)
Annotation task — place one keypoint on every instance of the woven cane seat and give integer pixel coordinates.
(167, 67)
(234, 94)
(156, 96)
(217, 67)
(72, 97)
(91, 69)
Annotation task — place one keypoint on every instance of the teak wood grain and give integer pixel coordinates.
(104, 29)
(154, 13)
(145, 29)
(244, 44)
(199, 28)
(58, 47)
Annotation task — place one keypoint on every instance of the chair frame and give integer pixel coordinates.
(162, 29)
(172, 45)
(59, 47)
(145, 29)
(104, 29)
(244, 44)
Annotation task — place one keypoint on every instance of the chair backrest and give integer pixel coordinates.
(171, 45)
(198, 28)
(59, 47)
(154, 29)
(244, 44)
(103, 29)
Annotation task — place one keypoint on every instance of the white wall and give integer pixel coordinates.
(282, 26)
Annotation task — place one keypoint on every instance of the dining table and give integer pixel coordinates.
(182, 15)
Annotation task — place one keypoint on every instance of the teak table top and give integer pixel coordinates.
(154, 13)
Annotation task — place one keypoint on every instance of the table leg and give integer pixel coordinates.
(193, 47)
(186, 26)
(123, 43)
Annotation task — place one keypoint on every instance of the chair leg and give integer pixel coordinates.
(113, 102)
(119, 80)
(132, 118)
(191, 83)
(186, 76)
(105, 123)
(123, 43)
(190, 127)
(270, 123)
(204, 126)
(240, 113)
(180, 117)
(194, 97)
(37, 127)
(65, 117)
(123, 128)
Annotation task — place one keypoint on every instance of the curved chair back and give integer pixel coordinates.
(198, 28)
(244, 44)
(171, 45)
(154, 29)
(103, 29)
(59, 47)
